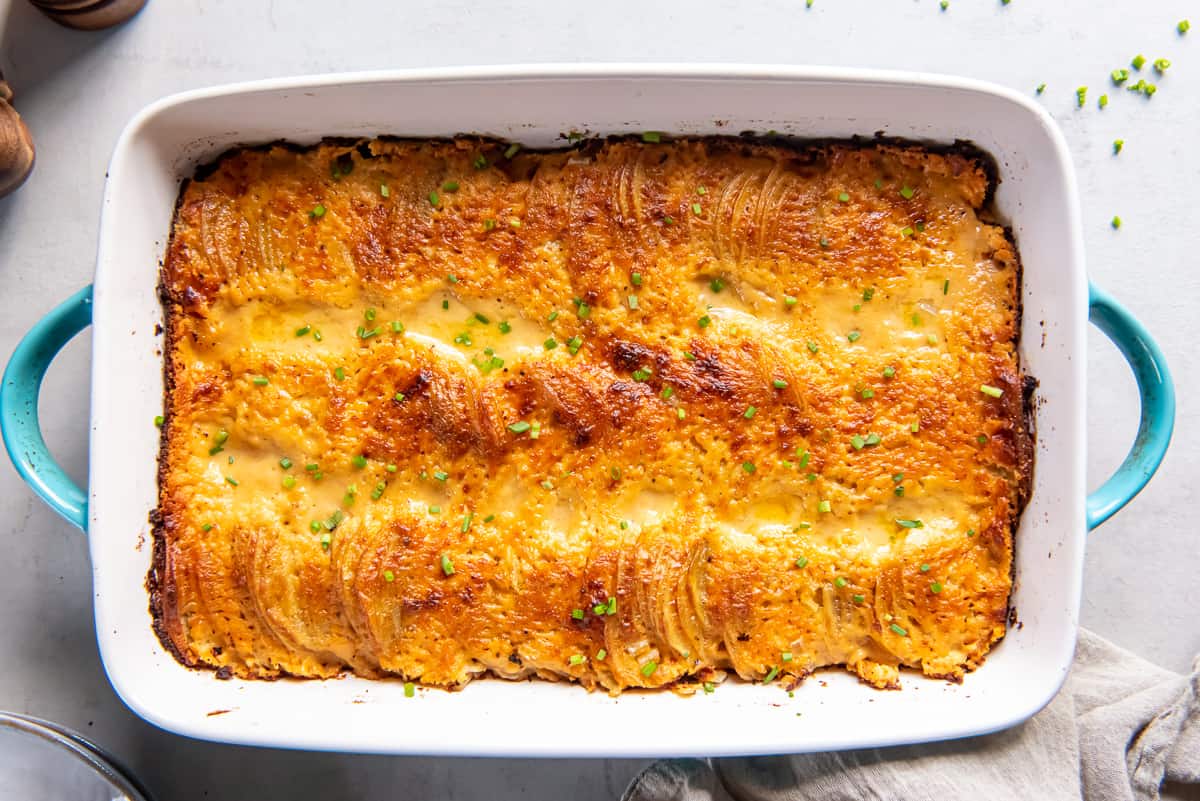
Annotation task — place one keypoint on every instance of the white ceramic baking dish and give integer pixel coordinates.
(535, 106)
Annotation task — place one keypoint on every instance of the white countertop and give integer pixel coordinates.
(76, 91)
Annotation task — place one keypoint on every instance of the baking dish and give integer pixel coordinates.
(537, 106)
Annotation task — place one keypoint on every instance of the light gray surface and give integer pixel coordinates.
(77, 90)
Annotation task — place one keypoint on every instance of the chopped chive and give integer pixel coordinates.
(633, 302)
(303, 330)
(691, 357)
(824, 507)
(867, 393)
(574, 344)
(377, 492)
(1138, 61)
(289, 482)
(635, 279)
(489, 223)
(667, 392)
(915, 427)
(317, 211)
(749, 467)
(1103, 101)
(868, 293)
(651, 137)
(359, 461)
(519, 427)
(511, 150)
(898, 629)
(811, 477)
(159, 420)
(550, 344)
(873, 439)
(779, 383)
(844, 197)
(853, 336)
(232, 481)
(704, 322)
(317, 335)
(334, 520)
(907, 192)
(441, 475)
(990, 391)
(1119, 76)
(935, 587)
(982, 439)
(649, 668)
(447, 565)
(812, 347)
(804, 457)
(889, 372)
(450, 186)
(1116, 222)
(434, 199)
(577, 614)
(898, 492)
(466, 522)
(1183, 27)
(207, 527)
(583, 311)
(801, 562)
(339, 374)
(857, 442)
(409, 689)
(906, 231)
(391, 468)
(909, 523)
(770, 677)
(1041, 87)
(326, 541)
(314, 526)
(547, 485)
(601, 654)
(576, 659)
(680, 414)
(384, 190)
(1118, 145)
(750, 412)
(435, 510)
(642, 374)
(840, 582)
(1161, 65)
(696, 209)
(788, 300)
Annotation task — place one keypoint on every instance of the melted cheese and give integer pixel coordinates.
(678, 405)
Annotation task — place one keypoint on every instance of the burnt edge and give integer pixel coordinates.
(1026, 437)
(156, 583)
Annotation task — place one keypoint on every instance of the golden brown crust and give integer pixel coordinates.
(754, 373)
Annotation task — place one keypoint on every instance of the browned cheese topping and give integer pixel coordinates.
(631, 414)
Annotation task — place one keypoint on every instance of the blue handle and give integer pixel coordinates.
(19, 406)
(1158, 406)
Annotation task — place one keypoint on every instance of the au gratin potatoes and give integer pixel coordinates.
(640, 412)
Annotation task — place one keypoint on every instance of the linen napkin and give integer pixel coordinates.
(1118, 730)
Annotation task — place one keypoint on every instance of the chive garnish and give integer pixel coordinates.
(907, 192)
(749, 467)
(840, 582)
(990, 391)
(750, 412)
(651, 137)
(935, 587)
(779, 383)
(447, 565)
(898, 629)
(909, 523)
(649, 668)
(824, 507)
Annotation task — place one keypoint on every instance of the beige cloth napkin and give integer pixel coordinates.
(1118, 730)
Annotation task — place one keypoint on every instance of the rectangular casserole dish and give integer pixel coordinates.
(537, 106)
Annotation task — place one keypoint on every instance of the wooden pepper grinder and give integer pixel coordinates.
(16, 145)
(89, 15)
